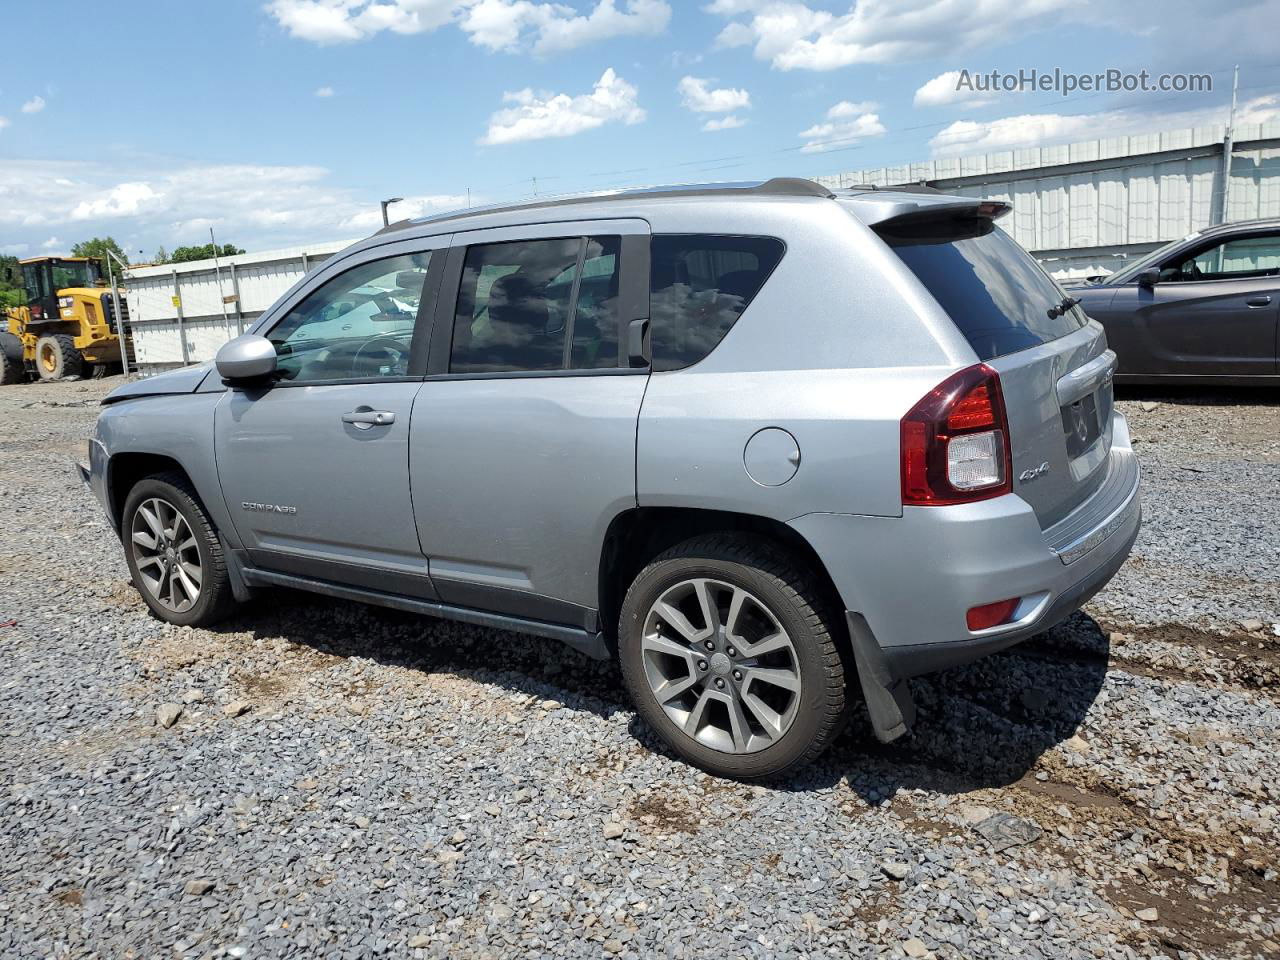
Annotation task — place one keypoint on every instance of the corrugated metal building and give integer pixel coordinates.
(180, 313)
(1087, 208)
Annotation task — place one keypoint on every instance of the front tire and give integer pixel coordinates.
(10, 369)
(173, 552)
(729, 652)
(57, 357)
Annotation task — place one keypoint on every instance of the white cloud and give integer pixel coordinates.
(730, 122)
(537, 116)
(14, 249)
(51, 244)
(146, 205)
(4, 122)
(698, 96)
(343, 21)
(1036, 129)
(846, 123)
(507, 25)
(945, 90)
(324, 92)
(34, 105)
(793, 36)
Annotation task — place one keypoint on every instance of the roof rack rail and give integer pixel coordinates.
(776, 187)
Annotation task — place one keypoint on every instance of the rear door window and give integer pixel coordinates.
(699, 285)
(538, 305)
(993, 290)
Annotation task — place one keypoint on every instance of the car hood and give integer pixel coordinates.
(184, 380)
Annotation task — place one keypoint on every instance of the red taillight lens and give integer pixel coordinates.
(967, 408)
(991, 614)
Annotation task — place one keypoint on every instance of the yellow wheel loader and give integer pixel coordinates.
(69, 326)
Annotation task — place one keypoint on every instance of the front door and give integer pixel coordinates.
(524, 435)
(1213, 313)
(315, 468)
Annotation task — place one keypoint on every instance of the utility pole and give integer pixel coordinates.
(121, 333)
(1228, 146)
(217, 273)
(385, 204)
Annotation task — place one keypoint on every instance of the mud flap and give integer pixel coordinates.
(888, 698)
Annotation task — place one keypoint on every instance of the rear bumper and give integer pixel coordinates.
(909, 581)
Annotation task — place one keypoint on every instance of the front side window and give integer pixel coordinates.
(538, 305)
(1240, 259)
(358, 325)
(699, 285)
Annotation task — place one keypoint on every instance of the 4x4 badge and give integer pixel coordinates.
(1026, 476)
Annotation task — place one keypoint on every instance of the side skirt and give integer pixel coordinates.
(592, 644)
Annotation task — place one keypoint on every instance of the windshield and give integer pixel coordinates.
(1150, 260)
(993, 290)
(72, 273)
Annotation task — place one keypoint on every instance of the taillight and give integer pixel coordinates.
(955, 442)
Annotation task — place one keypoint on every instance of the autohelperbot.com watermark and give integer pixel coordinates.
(1066, 83)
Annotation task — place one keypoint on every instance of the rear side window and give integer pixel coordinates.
(992, 289)
(699, 286)
(538, 305)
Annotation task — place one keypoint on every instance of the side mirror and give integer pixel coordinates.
(1149, 278)
(247, 357)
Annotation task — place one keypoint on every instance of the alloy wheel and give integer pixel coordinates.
(166, 555)
(721, 665)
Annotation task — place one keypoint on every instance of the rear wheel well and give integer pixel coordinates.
(637, 536)
(126, 469)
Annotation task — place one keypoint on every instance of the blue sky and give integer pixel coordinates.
(285, 122)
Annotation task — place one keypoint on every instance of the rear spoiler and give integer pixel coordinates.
(905, 211)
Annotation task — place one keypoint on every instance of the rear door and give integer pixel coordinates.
(524, 434)
(1213, 313)
(1054, 366)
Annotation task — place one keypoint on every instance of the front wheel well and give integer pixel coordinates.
(638, 535)
(124, 470)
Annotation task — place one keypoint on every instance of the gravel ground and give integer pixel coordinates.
(345, 781)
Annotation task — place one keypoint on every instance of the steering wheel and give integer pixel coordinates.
(384, 342)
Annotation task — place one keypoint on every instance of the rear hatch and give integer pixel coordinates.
(1054, 366)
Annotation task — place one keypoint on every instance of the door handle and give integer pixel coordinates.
(364, 418)
(1257, 301)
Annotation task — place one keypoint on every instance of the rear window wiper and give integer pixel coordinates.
(1066, 304)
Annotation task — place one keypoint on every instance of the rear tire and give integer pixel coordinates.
(174, 554)
(759, 691)
(10, 369)
(57, 357)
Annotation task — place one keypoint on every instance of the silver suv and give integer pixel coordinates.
(753, 440)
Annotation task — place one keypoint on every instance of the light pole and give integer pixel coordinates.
(385, 204)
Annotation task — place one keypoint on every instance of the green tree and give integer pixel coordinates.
(11, 292)
(97, 249)
(203, 252)
(161, 256)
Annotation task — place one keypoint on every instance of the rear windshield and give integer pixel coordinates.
(992, 289)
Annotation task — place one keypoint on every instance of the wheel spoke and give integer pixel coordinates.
(710, 612)
(145, 539)
(778, 678)
(191, 571)
(187, 544)
(149, 561)
(152, 521)
(674, 618)
(770, 644)
(666, 645)
(191, 589)
(739, 726)
(674, 688)
(694, 720)
(736, 603)
(768, 718)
